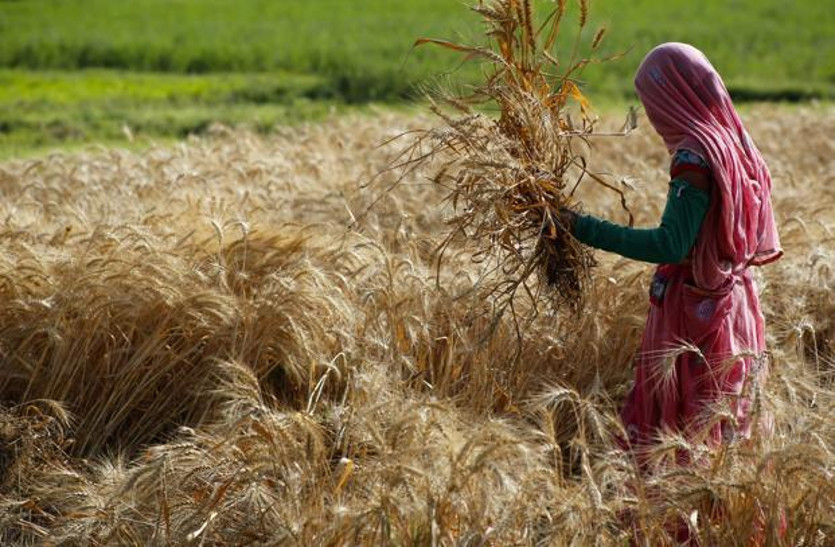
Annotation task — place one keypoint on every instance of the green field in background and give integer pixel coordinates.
(80, 70)
(363, 47)
(41, 109)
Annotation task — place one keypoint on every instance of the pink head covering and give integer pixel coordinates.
(689, 106)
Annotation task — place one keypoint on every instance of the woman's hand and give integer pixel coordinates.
(564, 220)
(567, 218)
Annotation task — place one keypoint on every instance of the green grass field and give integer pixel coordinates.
(276, 61)
(39, 109)
(363, 48)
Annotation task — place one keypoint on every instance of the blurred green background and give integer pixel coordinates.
(79, 71)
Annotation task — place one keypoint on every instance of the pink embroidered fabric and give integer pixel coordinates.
(711, 302)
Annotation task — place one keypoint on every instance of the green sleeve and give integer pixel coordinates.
(669, 243)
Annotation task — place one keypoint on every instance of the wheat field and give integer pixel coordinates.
(224, 342)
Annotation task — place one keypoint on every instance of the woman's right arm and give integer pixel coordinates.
(687, 204)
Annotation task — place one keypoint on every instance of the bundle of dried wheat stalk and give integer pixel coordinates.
(508, 178)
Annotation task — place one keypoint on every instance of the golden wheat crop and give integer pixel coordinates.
(210, 344)
(509, 175)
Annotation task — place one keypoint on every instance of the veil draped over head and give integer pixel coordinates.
(689, 106)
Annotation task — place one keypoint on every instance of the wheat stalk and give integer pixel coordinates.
(509, 178)
(209, 356)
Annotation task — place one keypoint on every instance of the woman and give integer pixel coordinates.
(718, 222)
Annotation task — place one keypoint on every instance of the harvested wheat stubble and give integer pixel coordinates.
(507, 178)
(229, 367)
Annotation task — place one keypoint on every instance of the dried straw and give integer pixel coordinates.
(510, 178)
(222, 377)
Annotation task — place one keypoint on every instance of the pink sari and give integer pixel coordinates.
(704, 339)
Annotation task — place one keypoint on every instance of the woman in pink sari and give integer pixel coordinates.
(704, 339)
